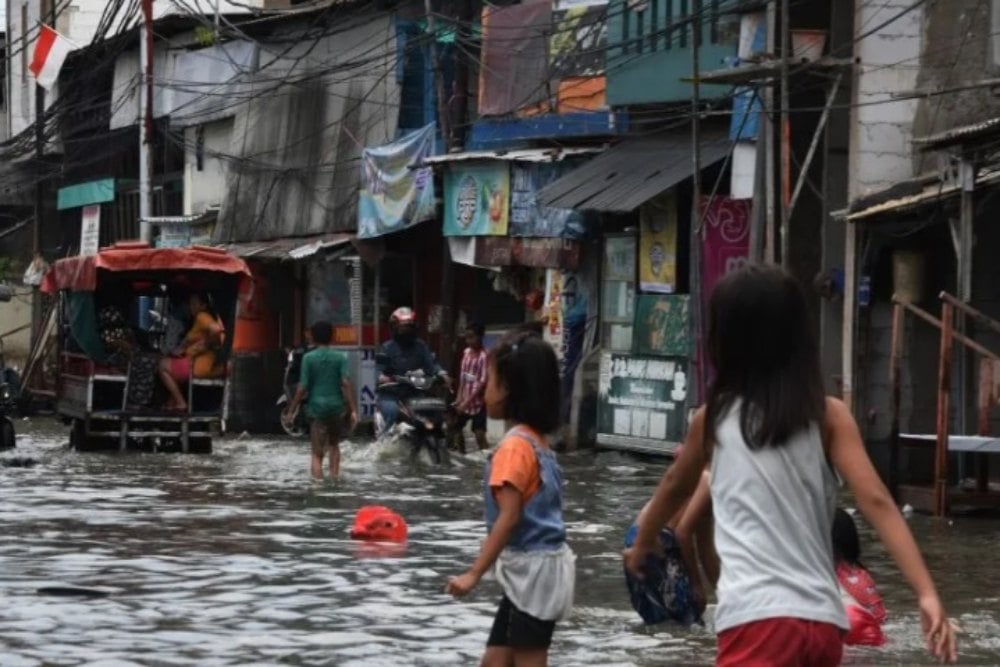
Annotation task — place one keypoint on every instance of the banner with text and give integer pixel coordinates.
(641, 400)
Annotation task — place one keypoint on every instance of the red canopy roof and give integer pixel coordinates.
(79, 274)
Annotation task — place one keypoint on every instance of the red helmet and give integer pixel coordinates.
(403, 316)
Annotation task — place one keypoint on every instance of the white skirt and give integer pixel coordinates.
(539, 583)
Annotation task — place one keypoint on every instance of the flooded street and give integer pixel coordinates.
(237, 558)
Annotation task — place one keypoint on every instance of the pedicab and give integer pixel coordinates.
(117, 312)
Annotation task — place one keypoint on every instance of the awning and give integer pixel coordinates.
(525, 155)
(633, 172)
(79, 274)
(287, 249)
(929, 194)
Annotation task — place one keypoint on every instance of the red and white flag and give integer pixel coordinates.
(51, 50)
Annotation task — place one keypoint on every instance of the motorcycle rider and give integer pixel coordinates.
(404, 352)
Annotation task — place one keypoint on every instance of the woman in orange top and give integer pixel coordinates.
(196, 354)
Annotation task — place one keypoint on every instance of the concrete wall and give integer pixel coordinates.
(15, 317)
(882, 127)
(205, 185)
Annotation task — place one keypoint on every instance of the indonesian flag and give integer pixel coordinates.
(51, 50)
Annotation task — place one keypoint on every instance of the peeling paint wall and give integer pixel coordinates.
(881, 153)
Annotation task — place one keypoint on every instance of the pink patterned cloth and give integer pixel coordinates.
(865, 609)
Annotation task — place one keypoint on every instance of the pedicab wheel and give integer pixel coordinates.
(292, 426)
(7, 437)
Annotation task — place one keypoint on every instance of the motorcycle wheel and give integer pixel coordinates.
(7, 437)
(295, 427)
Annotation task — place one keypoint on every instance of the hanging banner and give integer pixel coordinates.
(553, 332)
(518, 251)
(527, 217)
(663, 325)
(658, 245)
(396, 192)
(726, 245)
(477, 199)
(641, 401)
(90, 230)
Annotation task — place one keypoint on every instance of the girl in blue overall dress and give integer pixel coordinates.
(526, 541)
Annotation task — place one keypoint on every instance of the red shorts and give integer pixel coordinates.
(179, 368)
(781, 642)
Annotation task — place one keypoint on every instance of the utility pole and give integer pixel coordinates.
(446, 346)
(786, 138)
(145, 120)
(48, 16)
(696, 217)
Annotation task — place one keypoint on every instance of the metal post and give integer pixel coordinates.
(850, 300)
(967, 177)
(943, 412)
(145, 120)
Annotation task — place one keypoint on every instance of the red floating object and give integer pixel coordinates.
(378, 524)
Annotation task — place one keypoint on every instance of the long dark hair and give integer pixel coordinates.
(846, 543)
(765, 355)
(527, 367)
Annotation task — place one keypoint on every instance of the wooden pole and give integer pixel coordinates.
(943, 412)
(895, 382)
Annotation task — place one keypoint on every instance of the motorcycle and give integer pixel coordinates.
(296, 425)
(423, 410)
(9, 390)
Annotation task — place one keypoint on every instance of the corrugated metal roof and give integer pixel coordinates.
(959, 135)
(932, 193)
(633, 172)
(292, 248)
(527, 155)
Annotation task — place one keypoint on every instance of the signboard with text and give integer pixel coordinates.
(90, 230)
(642, 402)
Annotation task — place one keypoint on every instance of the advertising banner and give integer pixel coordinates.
(527, 216)
(396, 192)
(641, 400)
(658, 245)
(477, 199)
(663, 325)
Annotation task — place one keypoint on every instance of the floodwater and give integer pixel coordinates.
(238, 558)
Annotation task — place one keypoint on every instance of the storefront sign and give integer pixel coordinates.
(641, 399)
(477, 199)
(658, 245)
(726, 247)
(90, 230)
(396, 192)
(549, 253)
(553, 331)
(663, 325)
(527, 217)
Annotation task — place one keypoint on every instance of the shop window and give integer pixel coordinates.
(618, 292)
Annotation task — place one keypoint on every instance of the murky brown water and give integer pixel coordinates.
(238, 558)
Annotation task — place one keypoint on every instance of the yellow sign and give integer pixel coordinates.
(658, 245)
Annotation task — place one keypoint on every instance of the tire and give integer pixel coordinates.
(8, 440)
(295, 428)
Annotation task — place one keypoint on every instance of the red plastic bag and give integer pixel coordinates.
(378, 524)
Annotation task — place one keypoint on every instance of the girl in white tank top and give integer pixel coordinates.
(775, 444)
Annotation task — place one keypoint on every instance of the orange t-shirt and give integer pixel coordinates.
(515, 463)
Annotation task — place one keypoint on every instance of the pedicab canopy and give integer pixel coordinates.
(79, 274)
(127, 270)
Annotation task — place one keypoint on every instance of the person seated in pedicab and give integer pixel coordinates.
(196, 355)
(126, 352)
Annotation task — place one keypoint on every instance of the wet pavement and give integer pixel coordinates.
(238, 558)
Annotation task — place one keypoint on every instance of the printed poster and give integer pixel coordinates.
(658, 245)
(396, 191)
(641, 399)
(90, 230)
(726, 245)
(663, 325)
(477, 199)
(527, 216)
